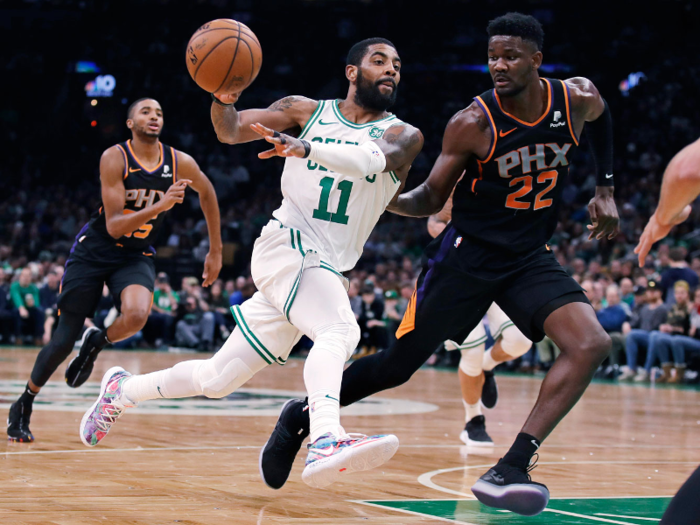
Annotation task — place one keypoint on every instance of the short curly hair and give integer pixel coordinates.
(517, 24)
(359, 50)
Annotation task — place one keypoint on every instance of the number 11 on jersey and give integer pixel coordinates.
(339, 216)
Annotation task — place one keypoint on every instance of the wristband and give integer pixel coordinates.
(219, 102)
(307, 148)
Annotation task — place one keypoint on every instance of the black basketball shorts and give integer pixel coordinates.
(451, 297)
(93, 262)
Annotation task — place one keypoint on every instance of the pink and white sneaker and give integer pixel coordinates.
(331, 457)
(107, 409)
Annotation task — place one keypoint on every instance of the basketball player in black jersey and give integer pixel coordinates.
(141, 179)
(515, 144)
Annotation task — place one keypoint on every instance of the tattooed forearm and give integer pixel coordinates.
(402, 145)
(225, 121)
(283, 104)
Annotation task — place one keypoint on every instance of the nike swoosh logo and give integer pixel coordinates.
(501, 134)
(534, 443)
(132, 170)
(328, 451)
(161, 393)
(334, 399)
(326, 123)
(608, 175)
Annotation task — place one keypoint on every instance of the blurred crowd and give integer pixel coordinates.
(51, 183)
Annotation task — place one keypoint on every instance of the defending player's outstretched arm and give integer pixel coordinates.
(589, 107)
(395, 151)
(233, 127)
(112, 170)
(680, 187)
(210, 208)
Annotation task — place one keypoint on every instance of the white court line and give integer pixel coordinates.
(584, 516)
(427, 479)
(422, 515)
(629, 517)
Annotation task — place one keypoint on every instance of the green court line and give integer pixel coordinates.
(560, 511)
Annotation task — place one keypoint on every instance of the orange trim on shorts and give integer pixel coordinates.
(568, 111)
(529, 124)
(128, 143)
(148, 254)
(408, 323)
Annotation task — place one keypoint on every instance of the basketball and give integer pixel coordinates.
(223, 56)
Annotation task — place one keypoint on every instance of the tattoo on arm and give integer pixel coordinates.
(225, 121)
(283, 104)
(403, 141)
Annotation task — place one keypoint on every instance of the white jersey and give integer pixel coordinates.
(337, 211)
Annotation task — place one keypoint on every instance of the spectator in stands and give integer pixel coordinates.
(355, 299)
(372, 326)
(627, 293)
(677, 326)
(29, 318)
(159, 328)
(196, 328)
(678, 270)
(7, 318)
(611, 318)
(638, 329)
(218, 303)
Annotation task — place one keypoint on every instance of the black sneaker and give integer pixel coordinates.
(277, 456)
(80, 368)
(18, 423)
(489, 392)
(511, 488)
(474, 433)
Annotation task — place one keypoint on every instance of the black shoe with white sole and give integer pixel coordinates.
(474, 433)
(278, 454)
(80, 368)
(511, 488)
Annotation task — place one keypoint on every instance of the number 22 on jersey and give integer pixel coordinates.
(526, 181)
(339, 216)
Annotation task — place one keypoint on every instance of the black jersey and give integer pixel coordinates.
(143, 188)
(510, 199)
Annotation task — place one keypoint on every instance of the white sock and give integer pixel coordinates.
(323, 374)
(488, 362)
(472, 410)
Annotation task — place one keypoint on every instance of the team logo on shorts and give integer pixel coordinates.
(458, 241)
(376, 133)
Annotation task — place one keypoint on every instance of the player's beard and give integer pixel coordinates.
(368, 96)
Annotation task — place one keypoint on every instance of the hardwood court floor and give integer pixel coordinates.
(621, 448)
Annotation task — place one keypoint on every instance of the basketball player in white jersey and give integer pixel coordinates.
(350, 160)
(476, 364)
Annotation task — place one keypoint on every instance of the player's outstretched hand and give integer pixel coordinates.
(175, 194)
(285, 146)
(655, 231)
(605, 222)
(212, 267)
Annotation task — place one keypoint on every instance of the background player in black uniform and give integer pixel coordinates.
(141, 179)
(515, 143)
(680, 187)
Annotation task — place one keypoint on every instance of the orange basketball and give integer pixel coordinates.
(223, 56)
